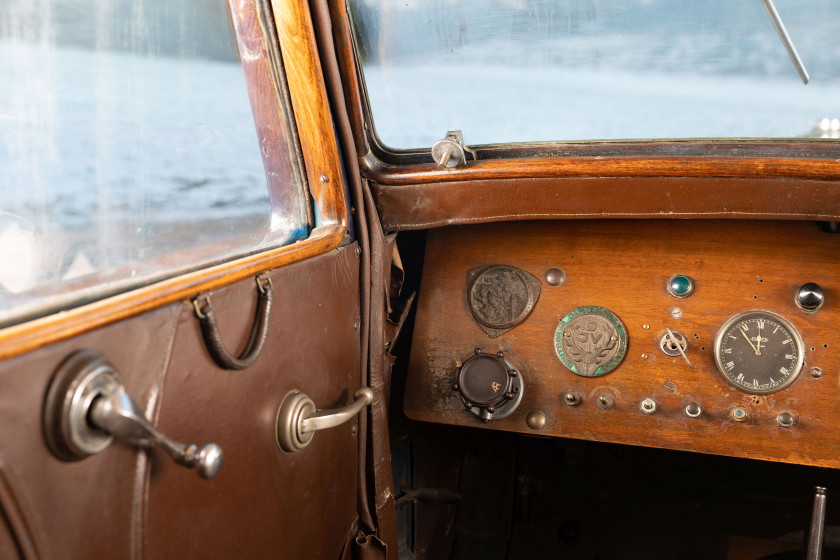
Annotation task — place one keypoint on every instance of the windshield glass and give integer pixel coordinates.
(533, 70)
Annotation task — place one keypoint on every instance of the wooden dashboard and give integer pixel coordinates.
(624, 266)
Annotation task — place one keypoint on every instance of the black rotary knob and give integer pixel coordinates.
(489, 385)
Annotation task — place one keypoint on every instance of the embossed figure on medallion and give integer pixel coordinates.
(500, 297)
(590, 341)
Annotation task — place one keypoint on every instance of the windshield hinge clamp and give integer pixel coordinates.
(451, 151)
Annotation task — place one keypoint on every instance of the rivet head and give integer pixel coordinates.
(536, 420)
(555, 276)
(646, 326)
(693, 410)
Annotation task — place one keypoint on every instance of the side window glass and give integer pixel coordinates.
(129, 151)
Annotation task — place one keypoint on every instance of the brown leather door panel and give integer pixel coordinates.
(264, 502)
(124, 503)
(82, 509)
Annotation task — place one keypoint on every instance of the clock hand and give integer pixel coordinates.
(758, 342)
(750, 341)
(783, 35)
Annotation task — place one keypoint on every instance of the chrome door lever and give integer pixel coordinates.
(87, 407)
(298, 420)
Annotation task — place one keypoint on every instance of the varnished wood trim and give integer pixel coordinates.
(60, 326)
(624, 266)
(311, 107)
(603, 167)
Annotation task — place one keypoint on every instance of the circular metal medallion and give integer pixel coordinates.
(501, 296)
(590, 341)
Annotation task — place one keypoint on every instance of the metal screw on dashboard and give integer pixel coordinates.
(571, 399)
(648, 406)
(816, 372)
(605, 401)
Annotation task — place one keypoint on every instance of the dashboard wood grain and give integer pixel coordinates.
(624, 266)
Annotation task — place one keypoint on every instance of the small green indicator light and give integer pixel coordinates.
(680, 286)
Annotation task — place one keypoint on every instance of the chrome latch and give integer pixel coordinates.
(298, 420)
(451, 150)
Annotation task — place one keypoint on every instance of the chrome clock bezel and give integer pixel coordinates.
(797, 338)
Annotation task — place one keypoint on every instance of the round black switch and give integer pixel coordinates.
(484, 380)
(490, 386)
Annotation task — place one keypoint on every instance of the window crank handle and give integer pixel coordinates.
(118, 415)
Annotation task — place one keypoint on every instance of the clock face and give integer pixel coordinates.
(759, 352)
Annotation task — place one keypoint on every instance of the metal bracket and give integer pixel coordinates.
(451, 150)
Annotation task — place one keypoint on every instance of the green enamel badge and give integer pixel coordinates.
(590, 341)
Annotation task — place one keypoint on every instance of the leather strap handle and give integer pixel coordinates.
(259, 328)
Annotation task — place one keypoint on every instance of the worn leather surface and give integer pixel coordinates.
(264, 503)
(380, 380)
(8, 544)
(82, 509)
(410, 207)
